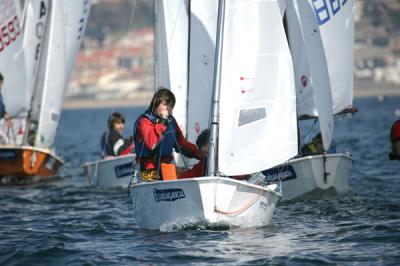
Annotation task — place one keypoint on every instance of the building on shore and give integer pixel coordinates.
(121, 70)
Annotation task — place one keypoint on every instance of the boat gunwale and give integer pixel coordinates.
(203, 179)
(109, 160)
(33, 148)
(316, 156)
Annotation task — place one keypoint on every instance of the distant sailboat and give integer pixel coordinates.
(321, 40)
(44, 53)
(111, 172)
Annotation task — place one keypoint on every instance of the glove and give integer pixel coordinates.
(162, 121)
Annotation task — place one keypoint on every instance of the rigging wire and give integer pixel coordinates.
(175, 22)
(133, 8)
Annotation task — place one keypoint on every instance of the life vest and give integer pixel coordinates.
(105, 145)
(164, 148)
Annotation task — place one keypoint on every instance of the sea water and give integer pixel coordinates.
(66, 222)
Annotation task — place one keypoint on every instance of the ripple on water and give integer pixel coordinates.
(66, 222)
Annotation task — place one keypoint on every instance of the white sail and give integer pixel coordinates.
(66, 27)
(76, 15)
(317, 67)
(171, 48)
(203, 25)
(304, 88)
(51, 78)
(39, 68)
(35, 24)
(35, 21)
(258, 123)
(336, 23)
(15, 92)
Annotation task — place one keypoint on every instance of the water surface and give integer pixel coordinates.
(66, 222)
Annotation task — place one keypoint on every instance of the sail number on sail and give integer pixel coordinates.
(326, 9)
(9, 33)
(40, 27)
(86, 8)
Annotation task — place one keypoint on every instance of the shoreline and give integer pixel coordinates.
(365, 88)
(385, 90)
(94, 104)
(376, 93)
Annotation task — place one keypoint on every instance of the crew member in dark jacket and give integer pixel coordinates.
(112, 141)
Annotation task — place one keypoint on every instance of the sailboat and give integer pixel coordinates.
(321, 40)
(36, 65)
(320, 35)
(253, 91)
(110, 172)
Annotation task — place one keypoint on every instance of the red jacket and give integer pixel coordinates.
(152, 133)
(199, 170)
(395, 132)
(196, 171)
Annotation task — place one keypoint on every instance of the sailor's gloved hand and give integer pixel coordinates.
(162, 121)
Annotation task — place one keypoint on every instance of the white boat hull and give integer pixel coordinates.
(110, 173)
(306, 175)
(209, 201)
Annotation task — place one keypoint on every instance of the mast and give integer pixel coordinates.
(212, 166)
(188, 69)
(155, 54)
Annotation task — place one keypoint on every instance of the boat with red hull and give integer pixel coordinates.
(27, 161)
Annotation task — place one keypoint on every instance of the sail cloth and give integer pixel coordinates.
(203, 29)
(171, 48)
(15, 92)
(336, 23)
(64, 34)
(317, 67)
(304, 88)
(35, 24)
(258, 123)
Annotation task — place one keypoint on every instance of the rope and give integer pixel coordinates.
(239, 211)
(175, 22)
(132, 14)
(180, 151)
(134, 180)
(159, 159)
(96, 169)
